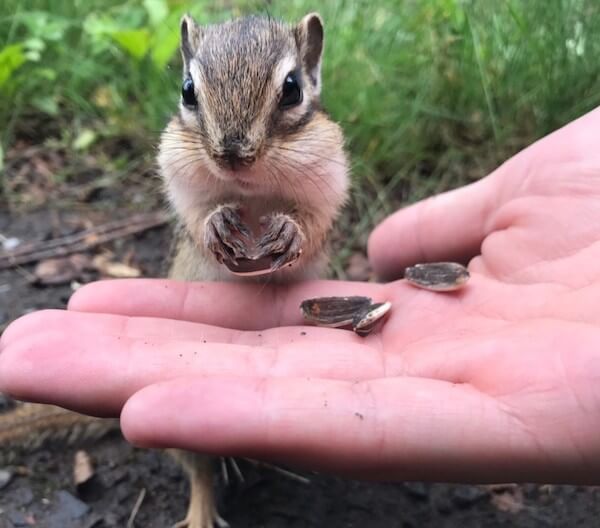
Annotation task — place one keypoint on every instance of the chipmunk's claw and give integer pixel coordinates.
(283, 240)
(225, 235)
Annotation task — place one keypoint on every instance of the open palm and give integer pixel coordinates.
(496, 382)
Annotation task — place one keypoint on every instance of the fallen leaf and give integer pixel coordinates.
(8, 244)
(5, 477)
(509, 501)
(63, 270)
(83, 469)
(118, 270)
(84, 139)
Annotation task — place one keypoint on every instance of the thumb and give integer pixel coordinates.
(449, 226)
(452, 226)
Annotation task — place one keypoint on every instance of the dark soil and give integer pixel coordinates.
(38, 490)
(43, 495)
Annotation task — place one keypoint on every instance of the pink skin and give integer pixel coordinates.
(497, 382)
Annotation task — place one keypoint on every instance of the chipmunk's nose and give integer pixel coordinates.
(236, 154)
(235, 161)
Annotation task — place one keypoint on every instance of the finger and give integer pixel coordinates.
(240, 306)
(569, 147)
(452, 225)
(449, 226)
(391, 428)
(94, 362)
(67, 355)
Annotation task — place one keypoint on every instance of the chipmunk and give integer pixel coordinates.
(255, 172)
(253, 167)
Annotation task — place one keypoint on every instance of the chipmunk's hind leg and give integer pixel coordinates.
(202, 511)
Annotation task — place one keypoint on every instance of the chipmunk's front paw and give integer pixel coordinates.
(225, 235)
(283, 240)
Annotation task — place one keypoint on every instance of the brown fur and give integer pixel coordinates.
(299, 168)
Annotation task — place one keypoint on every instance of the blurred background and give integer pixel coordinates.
(431, 95)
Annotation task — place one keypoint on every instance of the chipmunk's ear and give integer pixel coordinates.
(191, 36)
(309, 38)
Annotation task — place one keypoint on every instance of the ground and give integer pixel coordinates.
(44, 496)
(38, 489)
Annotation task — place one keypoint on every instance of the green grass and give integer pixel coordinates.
(431, 94)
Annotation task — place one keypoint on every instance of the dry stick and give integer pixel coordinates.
(285, 472)
(136, 508)
(82, 235)
(224, 471)
(236, 469)
(28, 247)
(82, 241)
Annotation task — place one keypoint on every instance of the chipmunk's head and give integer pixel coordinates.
(247, 85)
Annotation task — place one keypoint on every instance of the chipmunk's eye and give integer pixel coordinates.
(188, 94)
(291, 94)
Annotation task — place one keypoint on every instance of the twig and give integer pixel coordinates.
(224, 471)
(236, 469)
(82, 241)
(83, 235)
(136, 508)
(280, 470)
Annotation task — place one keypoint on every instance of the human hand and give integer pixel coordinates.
(497, 382)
